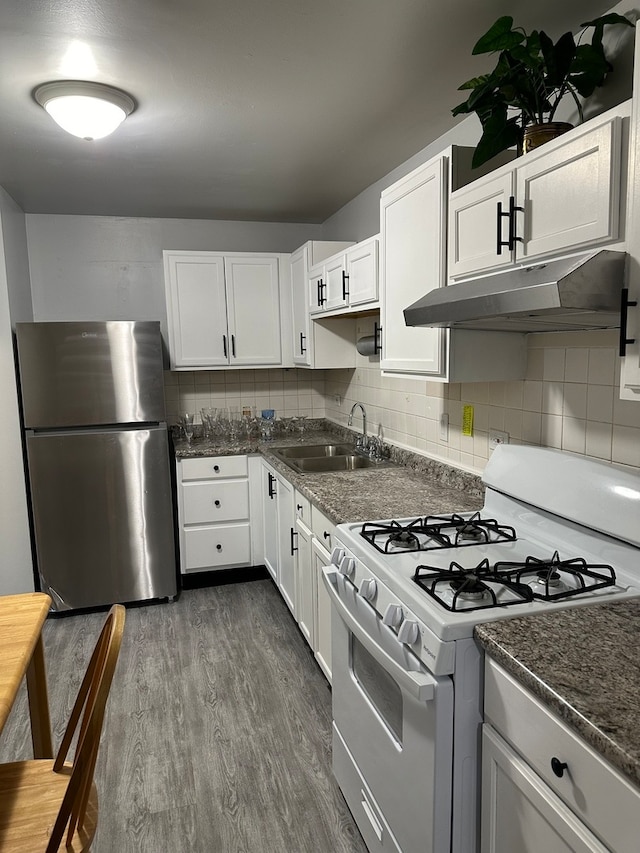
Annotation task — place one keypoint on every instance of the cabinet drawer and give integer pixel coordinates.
(217, 547)
(600, 796)
(322, 528)
(206, 502)
(303, 508)
(213, 467)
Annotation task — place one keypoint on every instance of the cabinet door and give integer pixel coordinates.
(317, 291)
(270, 520)
(304, 582)
(322, 644)
(336, 278)
(476, 227)
(413, 263)
(519, 812)
(286, 543)
(362, 272)
(300, 302)
(197, 309)
(570, 193)
(253, 307)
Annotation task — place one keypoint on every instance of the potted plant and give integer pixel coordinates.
(530, 79)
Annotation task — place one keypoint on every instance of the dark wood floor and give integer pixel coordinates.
(218, 733)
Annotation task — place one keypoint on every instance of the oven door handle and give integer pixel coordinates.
(421, 685)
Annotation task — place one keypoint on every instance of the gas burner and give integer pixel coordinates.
(552, 579)
(463, 588)
(435, 532)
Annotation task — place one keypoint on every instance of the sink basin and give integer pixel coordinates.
(324, 458)
(306, 451)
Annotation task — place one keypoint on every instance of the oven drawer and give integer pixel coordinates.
(371, 823)
(600, 796)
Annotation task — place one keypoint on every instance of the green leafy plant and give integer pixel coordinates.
(531, 77)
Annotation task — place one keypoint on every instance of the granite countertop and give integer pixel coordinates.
(584, 664)
(414, 485)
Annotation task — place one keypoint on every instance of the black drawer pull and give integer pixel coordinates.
(298, 507)
(217, 503)
(218, 547)
(326, 534)
(558, 766)
(216, 468)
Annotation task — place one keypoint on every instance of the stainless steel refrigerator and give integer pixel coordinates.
(98, 461)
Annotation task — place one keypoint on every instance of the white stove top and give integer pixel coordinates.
(527, 490)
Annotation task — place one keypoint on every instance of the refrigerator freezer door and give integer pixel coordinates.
(84, 374)
(103, 515)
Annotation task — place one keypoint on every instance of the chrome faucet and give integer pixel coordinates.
(362, 441)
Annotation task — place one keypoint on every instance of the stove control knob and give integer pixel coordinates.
(336, 556)
(347, 566)
(368, 589)
(393, 615)
(409, 632)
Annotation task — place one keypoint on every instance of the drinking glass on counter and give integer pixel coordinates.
(208, 415)
(186, 422)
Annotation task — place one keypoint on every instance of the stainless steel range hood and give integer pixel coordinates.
(580, 292)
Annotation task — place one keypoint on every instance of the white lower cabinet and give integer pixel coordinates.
(279, 533)
(213, 513)
(322, 635)
(304, 581)
(543, 787)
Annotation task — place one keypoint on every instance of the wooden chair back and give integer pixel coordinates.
(86, 719)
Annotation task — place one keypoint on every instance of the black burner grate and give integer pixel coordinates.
(587, 577)
(435, 532)
(470, 588)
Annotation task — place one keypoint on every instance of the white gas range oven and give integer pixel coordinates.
(556, 530)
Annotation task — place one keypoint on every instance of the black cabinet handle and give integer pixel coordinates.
(218, 547)
(377, 338)
(625, 302)
(216, 503)
(499, 241)
(345, 289)
(326, 535)
(271, 485)
(233, 345)
(298, 507)
(216, 468)
(513, 209)
(293, 548)
(558, 766)
(303, 348)
(321, 288)
(224, 345)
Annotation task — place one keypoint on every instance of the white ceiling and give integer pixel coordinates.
(277, 110)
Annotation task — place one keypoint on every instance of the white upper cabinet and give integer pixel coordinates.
(223, 310)
(413, 216)
(413, 263)
(557, 199)
(318, 343)
(345, 280)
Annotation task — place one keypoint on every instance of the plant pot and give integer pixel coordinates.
(535, 135)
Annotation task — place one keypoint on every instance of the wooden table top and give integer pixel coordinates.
(21, 621)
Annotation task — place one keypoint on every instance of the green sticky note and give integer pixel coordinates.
(467, 420)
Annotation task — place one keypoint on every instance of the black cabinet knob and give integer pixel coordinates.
(217, 503)
(216, 468)
(558, 766)
(218, 547)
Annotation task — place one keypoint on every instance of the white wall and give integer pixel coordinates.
(110, 268)
(16, 566)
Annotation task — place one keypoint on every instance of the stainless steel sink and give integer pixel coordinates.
(306, 451)
(324, 458)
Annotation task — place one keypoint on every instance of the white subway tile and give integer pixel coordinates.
(532, 396)
(626, 445)
(602, 366)
(553, 364)
(576, 365)
(575, 400)
(599, 440)
(574, 434)
(551, 433)
(600, 403)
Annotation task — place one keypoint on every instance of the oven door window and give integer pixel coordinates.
(379, 688)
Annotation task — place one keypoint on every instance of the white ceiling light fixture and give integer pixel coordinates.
(85, 109)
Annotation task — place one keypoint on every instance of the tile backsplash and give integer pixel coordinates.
(569, 399)
(288, 391)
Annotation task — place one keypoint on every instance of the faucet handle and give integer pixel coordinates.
(362, 443)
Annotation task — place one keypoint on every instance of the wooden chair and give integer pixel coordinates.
(43, 800)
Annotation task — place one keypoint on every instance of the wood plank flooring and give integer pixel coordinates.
(218, 731)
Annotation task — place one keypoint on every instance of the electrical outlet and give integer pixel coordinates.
(496, 437)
